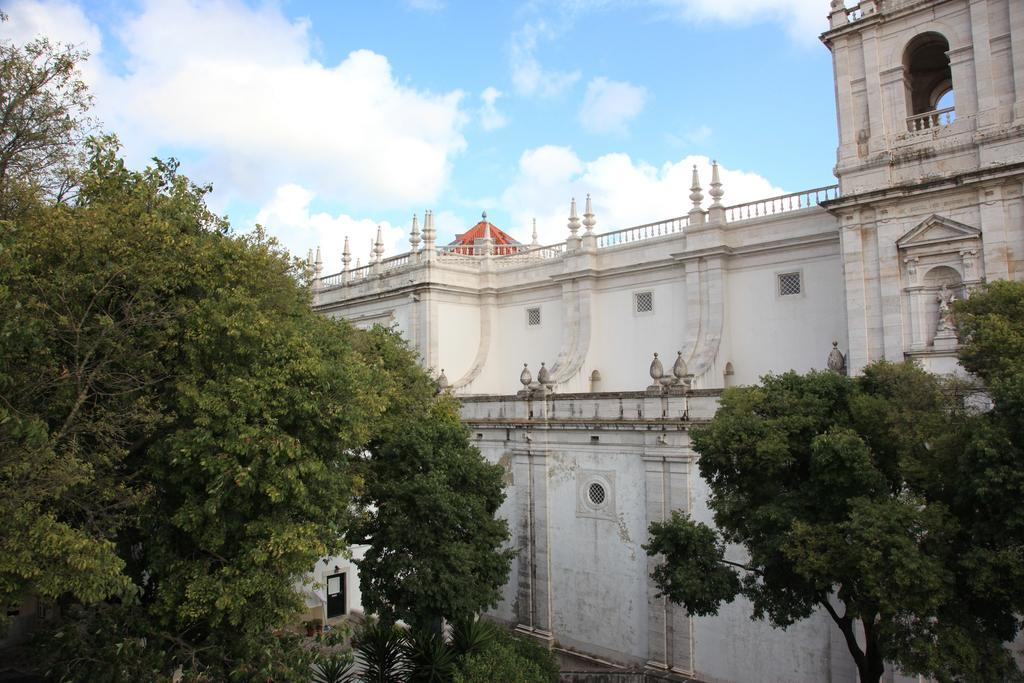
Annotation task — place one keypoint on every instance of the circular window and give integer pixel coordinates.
(596, 494)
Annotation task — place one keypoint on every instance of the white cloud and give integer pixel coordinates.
(609, 105)
(490, 117)
(287, 216)
(625, 192)
(59, 21)
(239, 87)
(804, 19)
(528, 76)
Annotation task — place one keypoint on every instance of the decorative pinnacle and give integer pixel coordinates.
(525, 377)
(588, 216)
(534, 243)
(318, 265)
(696, 196)
(483, 216)
(716, 186)
(574, 221)
(346, 255)
(428, 227)
(414, 233)
(378, 245)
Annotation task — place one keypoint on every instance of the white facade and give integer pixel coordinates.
(929, 203)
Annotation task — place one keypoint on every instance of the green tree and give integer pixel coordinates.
(879, 499)
(43, 120)
(182, 423)
(430, 501)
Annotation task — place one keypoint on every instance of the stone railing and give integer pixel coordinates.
(511, 256)
(642, 232)
(939, 118)
(781, 204)
(529, 255)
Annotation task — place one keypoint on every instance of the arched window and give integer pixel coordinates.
(929, 83)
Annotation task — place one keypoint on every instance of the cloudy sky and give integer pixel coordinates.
(326, 119)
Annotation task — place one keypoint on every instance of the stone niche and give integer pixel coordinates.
(940, 261)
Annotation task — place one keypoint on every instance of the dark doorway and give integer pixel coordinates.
(336, 605)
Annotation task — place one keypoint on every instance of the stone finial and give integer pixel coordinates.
(716, 191)
(359, 263)
(525, 378)
(544, 376)
(534, 242)
(318, 264)
(696, 196)
(346, 256)
(588, 216)
(657, 369)
(679, 367)
(836, 359)
(309, 257)
(574, 221)
(429, 234)
(378, 246)
(442, 380)
(414, 234)
(488, 239)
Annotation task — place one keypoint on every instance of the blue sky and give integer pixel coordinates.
(326, 119)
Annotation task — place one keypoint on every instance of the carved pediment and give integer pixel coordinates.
(937, 230)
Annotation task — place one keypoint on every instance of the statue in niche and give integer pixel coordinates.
(945, 299)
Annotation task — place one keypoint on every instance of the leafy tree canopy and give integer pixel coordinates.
(43, 120)
(429, 504)
(181, 437)
(881, 499)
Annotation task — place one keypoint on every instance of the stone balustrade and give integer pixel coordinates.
(642, 232)
(938, 118)
(781, 204)
(511, 256)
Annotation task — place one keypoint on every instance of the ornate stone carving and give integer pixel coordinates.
(442, 381)
(911, 262)
(574, 220)
(657, 372)
(544, 376)
(836, 360)
(657, 369)
(525, 377)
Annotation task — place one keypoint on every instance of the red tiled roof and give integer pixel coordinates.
(479, 231)
(502, 243)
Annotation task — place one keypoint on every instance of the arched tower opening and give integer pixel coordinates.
(929, 82)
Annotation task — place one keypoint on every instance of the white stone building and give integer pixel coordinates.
(930, 102)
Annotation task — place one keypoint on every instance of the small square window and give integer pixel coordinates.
(533, 316)
(643, 302)
(789, 284)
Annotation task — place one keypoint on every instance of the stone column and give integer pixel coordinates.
(997, 247)
(534, 592)
(962, 68)
(1017, 49)
(669, 627)
(856, 294)
(981, 39)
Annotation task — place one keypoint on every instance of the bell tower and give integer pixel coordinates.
(930, 114)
